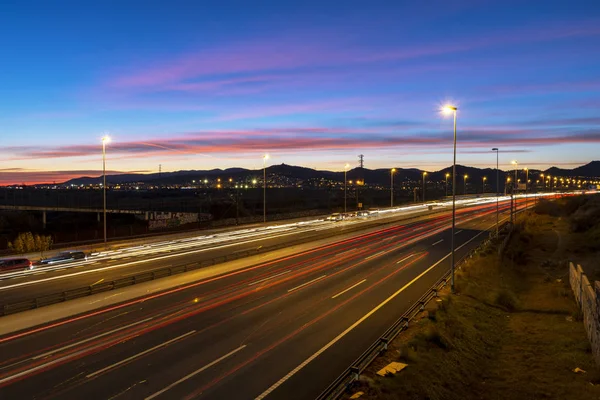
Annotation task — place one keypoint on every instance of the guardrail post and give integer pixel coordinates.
(356, 372)
(405, 320)
(422, 306)
(385, 342)
(435, 292)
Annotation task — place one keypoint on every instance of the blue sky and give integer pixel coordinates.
(199, 85)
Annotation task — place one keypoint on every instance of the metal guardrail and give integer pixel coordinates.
(352, 373)
(146, 276)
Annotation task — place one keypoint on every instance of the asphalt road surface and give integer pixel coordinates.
(105, 267)
(283, 329)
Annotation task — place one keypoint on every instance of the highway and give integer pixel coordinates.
(282, 329)
(104, 267)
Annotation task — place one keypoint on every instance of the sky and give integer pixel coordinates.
(217, 84)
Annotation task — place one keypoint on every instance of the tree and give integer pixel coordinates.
(27, 242)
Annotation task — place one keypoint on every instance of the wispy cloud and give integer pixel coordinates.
(264, 61)
(215, 143)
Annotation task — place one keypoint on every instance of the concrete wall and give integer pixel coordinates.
(588, 298)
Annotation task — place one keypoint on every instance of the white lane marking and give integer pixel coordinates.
(354, 325)
(270, 277)
(375, 255)
(89, 339)
(456, 233)
(438, 242)
(132, 263)
(306, 283)
(351, 287)
(405, 258)
(196, 372)
(139, 354)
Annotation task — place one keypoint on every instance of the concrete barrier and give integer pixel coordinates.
(588, 298)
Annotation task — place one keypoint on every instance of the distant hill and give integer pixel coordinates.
(589, 170)
(376, 176)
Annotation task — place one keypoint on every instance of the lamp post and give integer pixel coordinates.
(453, 110)
(265, 158)
(497, 189)
(392, 187)
(447, 176)
(526, 185)
(345, 181)
(516, 184)
(465, 183)
(543, 180)
(483, 184)
(424, 175)
(105, 140)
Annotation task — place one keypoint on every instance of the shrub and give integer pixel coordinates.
(507, 300)
(27, 242)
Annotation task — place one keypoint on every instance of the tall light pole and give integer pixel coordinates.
(497, 189)
(465, 183)
(483, 184)
(448, 110)
(265, 158)
(516, 184)
(105, 140)
(543, 180)
(526, 185)
(516, 164)
(345, 182)
(447, 176)
(392, 187)
(424, 175)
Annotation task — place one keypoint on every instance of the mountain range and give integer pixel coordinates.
(372, 176)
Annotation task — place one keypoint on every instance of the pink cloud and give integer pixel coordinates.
(215, 143)
(268, 58)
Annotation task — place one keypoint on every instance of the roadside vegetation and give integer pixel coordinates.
(513, 331)
(27, 243)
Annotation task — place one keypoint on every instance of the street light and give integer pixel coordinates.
(483, 184)
(516, 164)
(105, 140)
(526, 185)
(465, 183)
(265, 158)
(516, 185)
(452, 110)
(542, 176)
(392, 187)
(424, 175)
(345, 171)
(497, 189)
(447, 176)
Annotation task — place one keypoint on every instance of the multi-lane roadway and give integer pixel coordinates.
(282, 329)
(104, 267)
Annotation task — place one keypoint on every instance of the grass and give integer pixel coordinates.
(513, 331)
